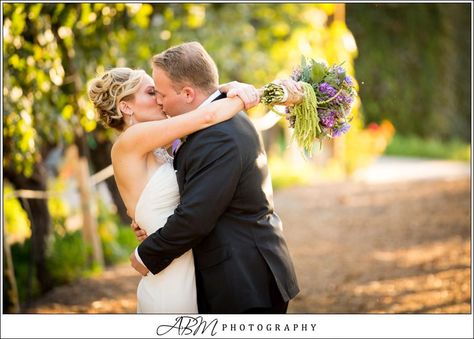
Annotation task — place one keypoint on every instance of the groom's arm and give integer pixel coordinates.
(213, 170)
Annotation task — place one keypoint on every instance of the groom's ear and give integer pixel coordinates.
(189, 94)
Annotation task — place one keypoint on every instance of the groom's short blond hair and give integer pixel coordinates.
(189, 64)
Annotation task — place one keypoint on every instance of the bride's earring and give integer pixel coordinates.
(130, 121)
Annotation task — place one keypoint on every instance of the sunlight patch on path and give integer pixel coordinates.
(394, 169)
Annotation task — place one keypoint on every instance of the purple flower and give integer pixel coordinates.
(348, 80)
(327, 89)
(343, 99)
(340, 70)
(339, 99)
(341, 129)
(340, 114)
(328, 118)
(348, 99)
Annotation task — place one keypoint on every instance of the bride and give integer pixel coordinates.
(125, 100)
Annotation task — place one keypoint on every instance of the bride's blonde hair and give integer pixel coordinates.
(106, 91)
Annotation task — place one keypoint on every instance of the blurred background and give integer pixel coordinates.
(360, 245)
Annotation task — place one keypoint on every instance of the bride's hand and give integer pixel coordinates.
(247, 93)
(137, 265)
(139, 233)
(294, 89)
(291, 85)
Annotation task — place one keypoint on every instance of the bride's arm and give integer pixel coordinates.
(147, 136)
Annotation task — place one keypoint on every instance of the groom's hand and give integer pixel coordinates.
(139, 233)
(137, 265)
(247, 93)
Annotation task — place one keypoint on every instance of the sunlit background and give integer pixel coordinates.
(353, 249)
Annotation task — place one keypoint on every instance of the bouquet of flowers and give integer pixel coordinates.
(323, 110)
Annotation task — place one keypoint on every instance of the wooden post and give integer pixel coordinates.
(89, 219)
(13, 304)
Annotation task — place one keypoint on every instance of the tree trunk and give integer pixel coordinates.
(38, 213)
(100, 158)
(11, 303)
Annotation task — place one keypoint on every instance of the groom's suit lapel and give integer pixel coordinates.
(175, 159)
(221, 96)
(179, 166)
(181, 151)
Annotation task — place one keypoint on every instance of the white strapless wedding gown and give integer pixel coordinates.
(173, 290)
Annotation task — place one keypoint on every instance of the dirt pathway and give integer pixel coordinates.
(357, 247)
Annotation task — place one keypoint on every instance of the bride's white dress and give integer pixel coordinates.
(173, 290)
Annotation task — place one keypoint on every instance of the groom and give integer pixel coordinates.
(226, 209)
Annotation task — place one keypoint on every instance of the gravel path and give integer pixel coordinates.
(358, 247)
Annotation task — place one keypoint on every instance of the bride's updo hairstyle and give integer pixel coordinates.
(106, 91)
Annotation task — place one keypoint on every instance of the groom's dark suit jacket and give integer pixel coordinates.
(226, 215)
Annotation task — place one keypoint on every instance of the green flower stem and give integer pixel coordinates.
(275, 111)
(307, 121)
(330, 99)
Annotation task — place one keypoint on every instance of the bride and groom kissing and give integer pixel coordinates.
(211, 241)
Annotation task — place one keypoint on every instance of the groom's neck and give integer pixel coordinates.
(200, 97)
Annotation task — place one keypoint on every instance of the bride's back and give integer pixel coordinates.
(159, 197)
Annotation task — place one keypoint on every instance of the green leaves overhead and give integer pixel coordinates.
(51, 50)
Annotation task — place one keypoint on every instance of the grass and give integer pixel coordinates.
(413, 146)
(287, 174)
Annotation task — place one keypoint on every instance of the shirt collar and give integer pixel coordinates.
(210, 98)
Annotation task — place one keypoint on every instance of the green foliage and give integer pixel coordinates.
(58, 207)
(429, 148)
(335, 78)
(20, 252)
(126, 238)
(48, 50)
(52, 50)
(414, 66)
(288, 173)
(67, 254)
(67, 257)
(117, 241)
(319, 71)
(17, 224)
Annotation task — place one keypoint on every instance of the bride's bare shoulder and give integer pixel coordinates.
(126, 141)
(121, 144)
(123, 151)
